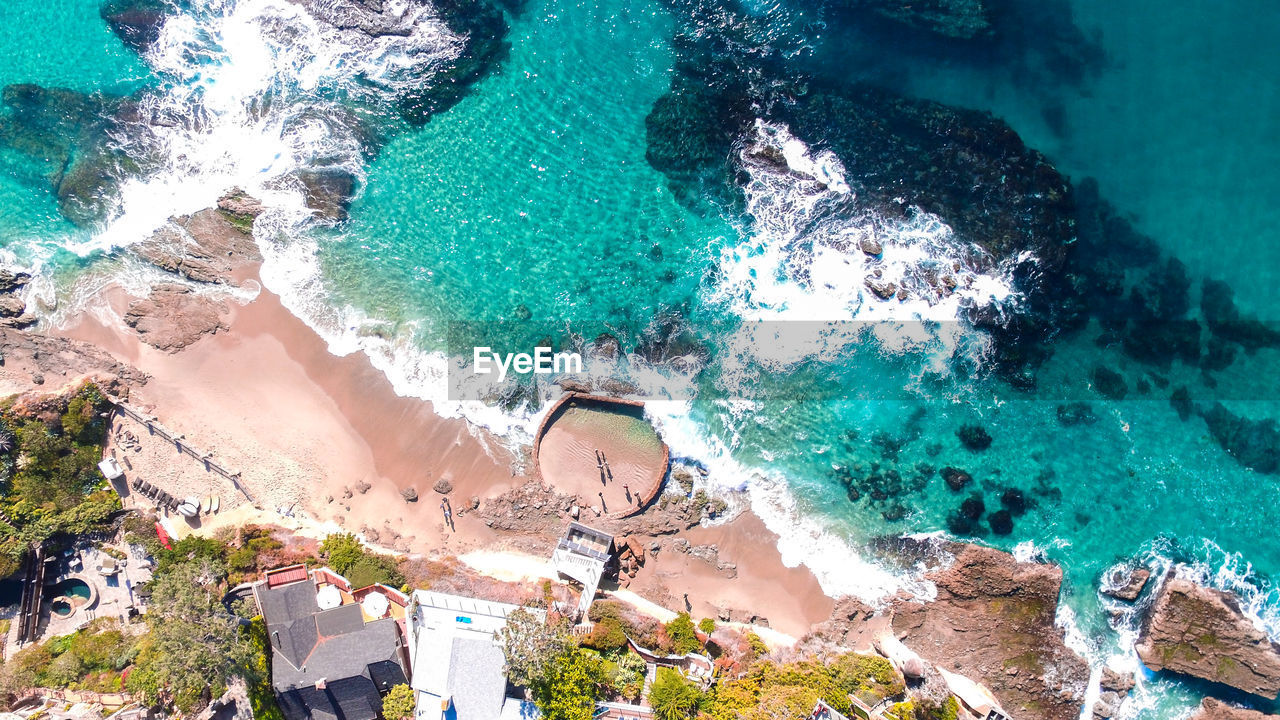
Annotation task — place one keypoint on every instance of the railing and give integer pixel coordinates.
(180, 443)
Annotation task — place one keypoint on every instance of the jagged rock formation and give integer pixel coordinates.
(1202, 632)
(13, 309)
(1211, 709)
(28, 360)
(993, 621)
(1132, 586)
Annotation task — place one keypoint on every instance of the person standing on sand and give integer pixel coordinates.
(599, 460)
(627, 489)
(603, 507)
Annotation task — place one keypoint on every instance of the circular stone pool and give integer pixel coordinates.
(61, 607)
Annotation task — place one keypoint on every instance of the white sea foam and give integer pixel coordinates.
(802, 258)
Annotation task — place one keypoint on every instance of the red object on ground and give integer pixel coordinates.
(164, 536)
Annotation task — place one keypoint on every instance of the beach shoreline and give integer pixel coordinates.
(323, 442)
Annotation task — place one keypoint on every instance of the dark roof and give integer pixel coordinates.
(355, 659)
(353, 698)
(587, 541)
(342, 656)
(289, 611)
(340, 620)
(386, 675)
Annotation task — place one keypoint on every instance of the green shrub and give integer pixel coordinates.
(681, 633)
(672, 697)
(707, 625)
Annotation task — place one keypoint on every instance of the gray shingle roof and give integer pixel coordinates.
(356, 660)
(477, 679)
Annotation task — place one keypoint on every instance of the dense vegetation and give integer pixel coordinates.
(49, 480)
(769, 690)
(567, 677)
(345, 554)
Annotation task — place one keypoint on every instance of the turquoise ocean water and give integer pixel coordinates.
(530, 203)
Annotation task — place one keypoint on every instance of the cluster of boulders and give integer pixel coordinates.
(13, 309)
(631, 557)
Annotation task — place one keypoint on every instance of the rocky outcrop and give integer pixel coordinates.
(1212, 709)
(1202, 632)
(13, 309)
(208, 246)
(1112, 689)
(174, 316)
(28, 360)
(962, 19)
(1126, 584)
(993, 620)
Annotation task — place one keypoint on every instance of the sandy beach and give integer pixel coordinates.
(326, 440)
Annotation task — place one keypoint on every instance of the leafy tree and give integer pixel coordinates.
(683, 637)
(569, 685)
(399, 703)
(194, 645)
(707, 625)
(771, 690)
(530, 646)
(345, 554)
(672, 697)
(626, 675)
(262, 697)
(341, 551)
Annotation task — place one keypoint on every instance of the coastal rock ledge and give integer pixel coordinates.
(1202, 632)
(1211, 709)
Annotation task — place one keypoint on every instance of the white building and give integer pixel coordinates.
(456, 654)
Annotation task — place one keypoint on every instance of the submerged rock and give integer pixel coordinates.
(1014, 501)
(1127, 587)
(328, 191)
(962, 19)
(955, 478)
(974, 437)
(1076, 413)
(1109, 383)
(1253, 443)
(73, 135)
(1001, 522)
(1203, 633)
(136, 22)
